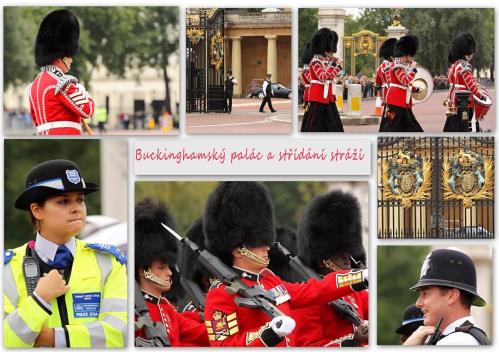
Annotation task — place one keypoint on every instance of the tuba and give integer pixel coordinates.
(424, 81)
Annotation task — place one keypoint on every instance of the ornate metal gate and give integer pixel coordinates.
(205, 60)
(362, 43)
(436, 187)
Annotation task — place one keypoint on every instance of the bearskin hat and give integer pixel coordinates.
(58, 36)
(386, 49)
(324, 40)
(407, 45)
(330, 226)
(237, 214)
(462, 45)
(306, 55)
(152, 241)
(188, 265)
(286, 236)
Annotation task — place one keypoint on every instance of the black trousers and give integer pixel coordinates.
(228, 102)
(266, 100)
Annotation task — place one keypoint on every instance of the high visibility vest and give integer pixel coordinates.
(96, 302)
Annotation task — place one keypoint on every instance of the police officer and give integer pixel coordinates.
(412, 319)
(58, 103)
(230, 81)
(462, 86)
(268, 92)
(329, 235)
(239, 229)
(398, 113)
(447, 290)
(156, 254)
(60, 291)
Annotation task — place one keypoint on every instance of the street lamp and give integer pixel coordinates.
(433, 24)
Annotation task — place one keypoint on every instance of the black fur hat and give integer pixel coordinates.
(324, 40)
(58, 36)
(237, 214)
(286, 236)
(306, 55)
(462, 45)
(407, 45)
(330, 226)
(188, 265)
(386, 49)
(152, 241)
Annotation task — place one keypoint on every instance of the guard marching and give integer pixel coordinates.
(58, 103)
(322, 114)
(382, 78)
(60, 291)
(398, 113)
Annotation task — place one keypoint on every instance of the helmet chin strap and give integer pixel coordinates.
(149, 275)
(328, 263)
(252, 256)
(65, 61)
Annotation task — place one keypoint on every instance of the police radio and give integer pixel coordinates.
(31, 272)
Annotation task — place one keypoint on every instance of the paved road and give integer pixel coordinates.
(244, 118)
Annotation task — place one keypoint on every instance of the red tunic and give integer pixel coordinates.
(183, 330)
(382, 78)
(321, 326)
(461, 80)
(58, 103)
(305, 76)
(400, 78)
(322, 74)
(232, 325)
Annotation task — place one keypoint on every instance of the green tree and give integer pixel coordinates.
(398, 268)
(21, 156)
(307, 24)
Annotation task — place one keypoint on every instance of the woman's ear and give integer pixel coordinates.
(35, 209)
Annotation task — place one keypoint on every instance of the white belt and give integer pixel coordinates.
(58, 124)
(407, 91)
(459, 86)
(385, 85)
(326, 86)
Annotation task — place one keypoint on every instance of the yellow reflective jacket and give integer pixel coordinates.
(96, 302)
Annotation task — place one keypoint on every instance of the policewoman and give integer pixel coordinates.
(60, 291)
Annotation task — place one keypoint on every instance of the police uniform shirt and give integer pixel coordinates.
(264, 88)
(46, 250)
(458, 338)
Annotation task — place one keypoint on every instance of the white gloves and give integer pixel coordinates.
(365, 274)
(283, 325)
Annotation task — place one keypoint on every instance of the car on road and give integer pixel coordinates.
(280, 91)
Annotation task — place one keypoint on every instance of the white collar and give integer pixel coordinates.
(46, 249)
(452, 326)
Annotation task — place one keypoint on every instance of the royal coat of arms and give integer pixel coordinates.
(217, 50)
(406, 178)
(468, 176)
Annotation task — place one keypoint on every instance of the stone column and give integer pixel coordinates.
(396, 31)
(334, 19)
(236, 65)
(272, 56)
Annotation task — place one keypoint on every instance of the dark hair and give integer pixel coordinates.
(465, 298)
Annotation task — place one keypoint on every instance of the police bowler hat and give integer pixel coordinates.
(412, 318)
(450, 268)
(51, 178)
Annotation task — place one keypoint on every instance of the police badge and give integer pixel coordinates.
(406, 178)
(467, 177)
(73, 176)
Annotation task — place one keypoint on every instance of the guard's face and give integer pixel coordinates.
(251, 265)
(162, 271)
(433, 303)
(61, 216)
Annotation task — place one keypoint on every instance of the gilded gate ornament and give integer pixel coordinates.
(468, 176)
(217, 50)
(195, 35)
(406, 178)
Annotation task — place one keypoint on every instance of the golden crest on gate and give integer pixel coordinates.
(217, 50)
(406, 178)
(467, 177)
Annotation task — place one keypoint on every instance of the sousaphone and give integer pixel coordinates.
(424, 81)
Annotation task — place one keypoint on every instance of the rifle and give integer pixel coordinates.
(194, 292)
(254, 297)
(155, 331)
(305, 273)
(435, 337)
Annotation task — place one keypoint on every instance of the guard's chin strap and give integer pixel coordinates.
(252, 256)
(149, 275)
(328, 263)
(64, 60)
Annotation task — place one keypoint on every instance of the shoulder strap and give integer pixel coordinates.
(474, 331)
(107, 248)
(8, 254)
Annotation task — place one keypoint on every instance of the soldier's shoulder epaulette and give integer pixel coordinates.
(399, 66)
(63, 81)
(107, 248)
(215, 284)
(8, 254)
(465, 67)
